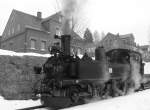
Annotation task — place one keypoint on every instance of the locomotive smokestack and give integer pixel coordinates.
(65, 44)
(66, 27)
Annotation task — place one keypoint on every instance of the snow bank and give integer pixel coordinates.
(135, 101)
(13, 105)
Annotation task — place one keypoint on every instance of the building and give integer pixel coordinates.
(145, 48)
(112, 41)
(29, 33)
(146, 52)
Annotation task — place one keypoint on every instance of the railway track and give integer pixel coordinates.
(40, 107)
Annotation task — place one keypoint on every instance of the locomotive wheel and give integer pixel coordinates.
(34, 97)
(74, 95)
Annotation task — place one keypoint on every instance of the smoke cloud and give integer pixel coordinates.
(72, 8)
(71, 11)
(69, 8)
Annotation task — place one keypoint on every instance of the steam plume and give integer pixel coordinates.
(69, 8)
(136, 77)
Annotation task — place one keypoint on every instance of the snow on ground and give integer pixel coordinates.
(147, 68)
(11, 53)
(135, 101)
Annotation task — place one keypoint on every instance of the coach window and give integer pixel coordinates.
(33, 43)
(43, 45)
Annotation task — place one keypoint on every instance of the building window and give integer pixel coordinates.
(3, 46)
(58, 31)
(72, 51)
(78, 51)
(33, 43)
(4, 36)
(18, 27)
(89, 50)
(11, 43)
(60, 19)
(43, 45)
(92, 49)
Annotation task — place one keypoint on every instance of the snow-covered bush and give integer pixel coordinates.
(17, 77)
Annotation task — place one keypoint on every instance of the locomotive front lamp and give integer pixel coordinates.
(110, 70)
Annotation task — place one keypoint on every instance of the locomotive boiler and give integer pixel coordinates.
(69, 80)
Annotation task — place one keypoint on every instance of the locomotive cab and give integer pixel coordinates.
(119, 63)
(126, 70)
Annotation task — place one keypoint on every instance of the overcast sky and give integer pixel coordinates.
(115, 16)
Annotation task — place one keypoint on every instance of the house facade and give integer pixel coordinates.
(145, 48)
(112, 41)
(28, 33)
(146, 52)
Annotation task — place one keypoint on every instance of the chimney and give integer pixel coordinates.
(39, 15)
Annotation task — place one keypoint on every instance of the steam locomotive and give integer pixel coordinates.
(69, 80)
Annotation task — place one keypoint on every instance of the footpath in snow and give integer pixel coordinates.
(135, 101)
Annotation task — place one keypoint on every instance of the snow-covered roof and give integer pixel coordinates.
(11, 53)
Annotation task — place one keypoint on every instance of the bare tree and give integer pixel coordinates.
(96, 36)
(58, 5)
(79, 26)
